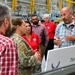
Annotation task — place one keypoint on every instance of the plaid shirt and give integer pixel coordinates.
(8, 56)
(63, 30)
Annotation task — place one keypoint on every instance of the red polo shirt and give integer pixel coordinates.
(34, 41)
(51, 26)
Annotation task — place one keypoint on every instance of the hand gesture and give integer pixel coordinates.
(70, 37)
(58, 41)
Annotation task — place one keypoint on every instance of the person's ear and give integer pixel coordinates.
(17, 27)
(6, 22)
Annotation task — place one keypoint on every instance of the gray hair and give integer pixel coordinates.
(4, 13)
(46, 15)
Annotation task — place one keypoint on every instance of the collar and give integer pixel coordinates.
(69, 25)
(47, 23)
(35, 25)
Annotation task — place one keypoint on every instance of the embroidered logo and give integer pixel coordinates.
(34, 39)
(55, 67)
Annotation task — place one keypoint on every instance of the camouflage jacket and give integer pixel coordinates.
(26, 54)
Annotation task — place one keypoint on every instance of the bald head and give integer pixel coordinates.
(66, 9)
(66, 15)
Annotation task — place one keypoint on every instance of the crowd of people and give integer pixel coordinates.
(23, 44)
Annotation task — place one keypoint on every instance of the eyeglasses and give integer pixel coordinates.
(35, 19)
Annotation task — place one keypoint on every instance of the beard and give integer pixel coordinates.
(35, 23)
(8, 31)
(66, 21)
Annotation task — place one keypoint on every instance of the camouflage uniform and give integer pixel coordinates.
(27, 61)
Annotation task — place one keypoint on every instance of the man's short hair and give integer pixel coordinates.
(46, 15)
(33, 15)
(4, 12)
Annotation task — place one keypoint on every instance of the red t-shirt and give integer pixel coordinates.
(34, 41)
(51, 26)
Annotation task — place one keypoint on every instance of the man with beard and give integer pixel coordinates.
(40, 29)
(8, 48)
(65, 31)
